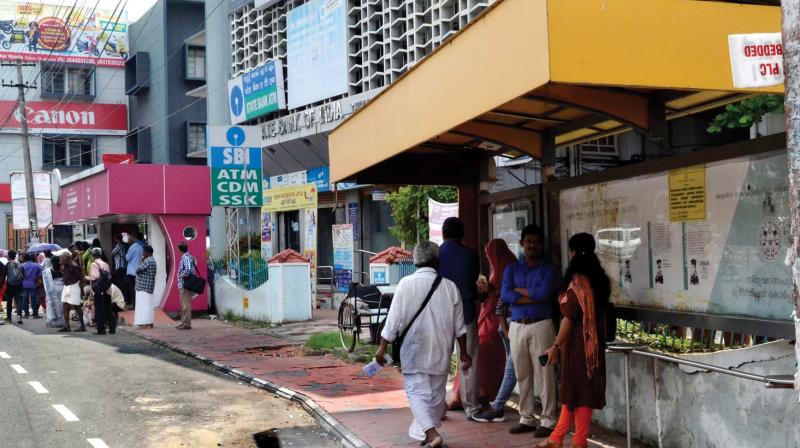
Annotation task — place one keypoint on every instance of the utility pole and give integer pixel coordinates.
(791, 68)
(26, 147)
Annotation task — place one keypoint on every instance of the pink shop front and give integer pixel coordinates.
(171, 203)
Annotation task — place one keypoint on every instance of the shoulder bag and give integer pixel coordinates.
(193, 282)
(397, 345)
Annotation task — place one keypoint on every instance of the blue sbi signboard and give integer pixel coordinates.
(256, 93)
(234, 155)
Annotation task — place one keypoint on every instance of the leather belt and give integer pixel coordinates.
(529, 321)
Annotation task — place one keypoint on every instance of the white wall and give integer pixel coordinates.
(676, 407)
(156, 238)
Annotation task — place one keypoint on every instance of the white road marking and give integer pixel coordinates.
(97, 443)
(66, 413)
(18, 368)
(4, 355)
(37, 386)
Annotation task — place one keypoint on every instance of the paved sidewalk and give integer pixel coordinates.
(374, 409)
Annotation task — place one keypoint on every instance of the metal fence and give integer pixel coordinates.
(248, 273)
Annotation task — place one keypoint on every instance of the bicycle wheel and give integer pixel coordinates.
(348, 322)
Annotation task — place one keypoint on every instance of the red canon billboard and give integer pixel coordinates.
(67, 118)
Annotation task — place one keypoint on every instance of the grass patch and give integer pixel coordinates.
(321, 341)
(330, 343)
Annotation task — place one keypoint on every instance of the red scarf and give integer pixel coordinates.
(582, 289)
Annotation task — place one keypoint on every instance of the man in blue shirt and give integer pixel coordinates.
(460, 264)
(133, 257)
(528, 287)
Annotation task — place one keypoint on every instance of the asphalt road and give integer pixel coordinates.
(85, 390)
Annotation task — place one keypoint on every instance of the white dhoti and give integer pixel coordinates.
(426, 398)
(143, 315)
(72, 294)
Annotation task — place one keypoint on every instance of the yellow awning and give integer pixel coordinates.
(570, 69)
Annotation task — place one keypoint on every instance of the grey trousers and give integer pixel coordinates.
(528, 342)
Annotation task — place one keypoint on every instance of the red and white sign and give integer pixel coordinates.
(67, 118)
(756, 59)
(109, 159)
(437, 214)
(61, 59)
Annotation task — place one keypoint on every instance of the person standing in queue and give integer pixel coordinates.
(121, 267)
(459, 264)
(145, 286)
(13, 294)
(528, 287)
(71, 294)
(581, 343)
(133, 257)
(188, 265)
(100, 278)
(31, 277)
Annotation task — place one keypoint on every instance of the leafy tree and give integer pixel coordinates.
(745, 113)
(410, 209)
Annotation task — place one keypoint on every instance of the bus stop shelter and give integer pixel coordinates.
(529, 75)
(174, 201)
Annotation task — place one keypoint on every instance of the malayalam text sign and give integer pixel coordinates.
(257, 92)
(756, 59)
(687, 194)
(290, 197)
(234, 155)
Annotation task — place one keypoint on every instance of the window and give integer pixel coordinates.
(53, 80)
(76, 152)
(60, 80)
(196, 137)
(195, 63)
(80, 81)
(601, 146)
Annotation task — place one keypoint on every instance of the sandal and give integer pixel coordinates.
(547, 443)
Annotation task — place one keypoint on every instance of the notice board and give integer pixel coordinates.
(709, 239)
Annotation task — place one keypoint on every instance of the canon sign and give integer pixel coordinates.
(69, 118)
(44, 116)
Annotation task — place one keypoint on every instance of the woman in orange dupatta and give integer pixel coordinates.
(491, 352)
(581, 342)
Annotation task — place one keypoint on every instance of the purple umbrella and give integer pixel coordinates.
(39, 248)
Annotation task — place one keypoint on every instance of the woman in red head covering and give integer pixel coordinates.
(491, 353)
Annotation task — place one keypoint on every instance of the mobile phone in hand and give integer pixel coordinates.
(543, 359)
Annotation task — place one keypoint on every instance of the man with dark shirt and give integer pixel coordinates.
(459, 264)
(528, 287)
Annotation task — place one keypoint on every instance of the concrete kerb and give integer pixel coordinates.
(327, 421)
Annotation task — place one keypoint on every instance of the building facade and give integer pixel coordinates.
(165, 78)
(325, 60)
(76, 108)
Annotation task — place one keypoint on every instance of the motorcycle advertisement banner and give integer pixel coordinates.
(35, 32)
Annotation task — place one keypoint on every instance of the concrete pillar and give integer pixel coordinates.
(468, 212)
(218, 55)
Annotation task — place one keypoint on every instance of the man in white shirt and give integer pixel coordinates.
(428, 343)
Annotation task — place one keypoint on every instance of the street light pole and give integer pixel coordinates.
(791, 66)
(26, 150)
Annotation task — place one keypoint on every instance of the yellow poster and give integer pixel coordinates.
(290, 197)
(687, 194)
